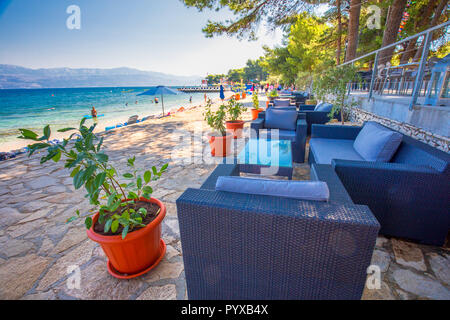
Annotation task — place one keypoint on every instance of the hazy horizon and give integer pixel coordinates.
(105, 69)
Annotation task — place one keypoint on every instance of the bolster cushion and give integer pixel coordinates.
(302, 190)
(377, 143)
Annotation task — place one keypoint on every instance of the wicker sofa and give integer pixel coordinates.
(253, 247)
(409, 195)
(316, 117)
(297, 137)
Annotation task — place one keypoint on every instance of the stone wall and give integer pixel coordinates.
(437, 141)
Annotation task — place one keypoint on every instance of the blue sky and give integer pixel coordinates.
(154, 35)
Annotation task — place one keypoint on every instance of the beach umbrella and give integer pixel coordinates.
(222, 94)
(159, 91)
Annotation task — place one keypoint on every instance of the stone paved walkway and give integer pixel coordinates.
(37, 246)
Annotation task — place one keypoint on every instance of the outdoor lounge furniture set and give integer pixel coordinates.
(257, 246)
(406, 187)
(313, 114)
(246, 238)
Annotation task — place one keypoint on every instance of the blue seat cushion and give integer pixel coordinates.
(324, 107)
(377, 143)
(281, 119)
(287, 135)
(325, 150)
(302, 190)
(272, 134)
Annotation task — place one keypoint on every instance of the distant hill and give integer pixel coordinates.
(15, 77)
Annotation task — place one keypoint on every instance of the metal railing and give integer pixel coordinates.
(398, 80)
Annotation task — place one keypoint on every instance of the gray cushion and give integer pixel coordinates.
(282, 103)
(325, 150)
(302, 190)
(324, 107)
(281, 119)
(284, 108)
(377, 143)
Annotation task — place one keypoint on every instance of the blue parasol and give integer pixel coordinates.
(222, 94)
(159, 91)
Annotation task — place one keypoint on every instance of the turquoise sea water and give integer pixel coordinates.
(35, 108)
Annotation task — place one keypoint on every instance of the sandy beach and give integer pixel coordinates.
(17, 144)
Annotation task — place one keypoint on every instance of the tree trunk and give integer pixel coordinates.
(409, 51)
(339, 39)
(437, 15)
(391, 30)
(353, 29)
(424, 18)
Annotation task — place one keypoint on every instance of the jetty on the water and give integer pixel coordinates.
(200, 89)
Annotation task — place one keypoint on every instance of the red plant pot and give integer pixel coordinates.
(235, 128)
(220, 146)
(255, 113)
(139, 252)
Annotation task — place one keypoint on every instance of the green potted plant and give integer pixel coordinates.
(219, 139)
(311, 101)
(127, 222)
(234, 124)
(272, 95)
(256, 109)
(332, 85)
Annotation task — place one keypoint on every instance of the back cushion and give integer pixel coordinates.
(324, 107)
(377, 143)
(282, 103)
(282, 119)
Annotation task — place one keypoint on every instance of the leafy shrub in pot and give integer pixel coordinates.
(234, 124)
(128, 219)
(219, 139)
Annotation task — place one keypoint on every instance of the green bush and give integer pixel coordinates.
(255, 100)
(234, 109)
(216, 120)
(332, 86)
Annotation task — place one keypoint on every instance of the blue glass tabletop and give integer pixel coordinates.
(277, 153)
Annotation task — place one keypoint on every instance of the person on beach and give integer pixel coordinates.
(156, 100)
(190, 99)
(206, 97)
(94, 114)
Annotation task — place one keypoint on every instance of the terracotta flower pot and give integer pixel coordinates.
(238, 97)
(255, 113)
(139, 252)
(235, 128)
(220, 146)
(244, 95)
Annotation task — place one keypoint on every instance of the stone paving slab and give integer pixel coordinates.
(38, 250)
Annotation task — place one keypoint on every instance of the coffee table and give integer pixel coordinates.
(267, 157)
